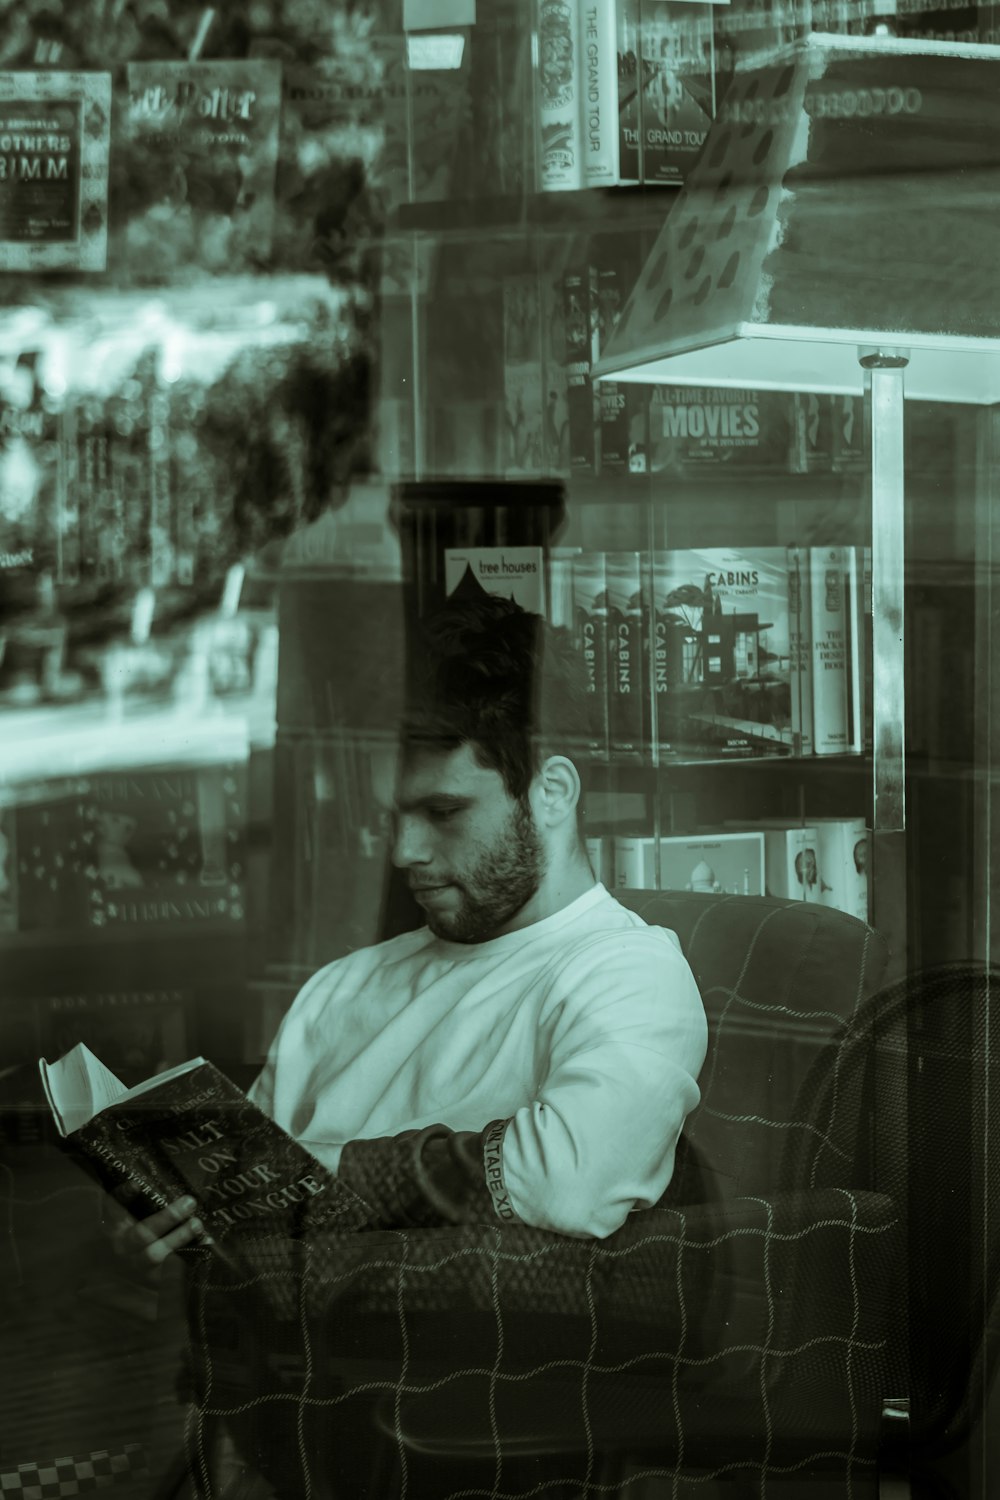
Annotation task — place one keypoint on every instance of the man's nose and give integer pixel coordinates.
(410, 845)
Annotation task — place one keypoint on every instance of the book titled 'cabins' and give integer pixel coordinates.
(192, 1130)
(722, 627)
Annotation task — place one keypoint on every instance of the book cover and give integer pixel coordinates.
(599, 52)
(629, 84)
(791, 863)
(828, 576)
(192, 1130)
(627, 695)
(516, 573)
(677, 99)
(842, 852)
(146, 848)
(691, 427)
(204, 139)
(722, 622)
(56, 131)
(559, 94)
(800, 649)
(582, 331)
(716, 863)
(713, 862)
(590, 632)
(847, 439)
(524, 442)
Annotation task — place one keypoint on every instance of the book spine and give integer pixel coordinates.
(560, 587)
(842, 854)
(600, 854)
(599, 55)
(790, 863)
(522, 376)
(555, 396)
(854, 622)
(559, 90)
(581, 315)
(800, 649)
(633, 860)
(629, 84)
(658, 582)
(590, 610)
(610, 394)
(829, 653)
(625, 653)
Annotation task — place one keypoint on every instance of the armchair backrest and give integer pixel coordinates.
(782, 982)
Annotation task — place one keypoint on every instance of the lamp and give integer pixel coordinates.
(840, 232)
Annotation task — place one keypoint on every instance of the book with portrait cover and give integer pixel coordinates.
(191, 1130)
(56, 131)
(203, 146)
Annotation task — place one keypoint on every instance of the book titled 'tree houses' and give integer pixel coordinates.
(192, 1130)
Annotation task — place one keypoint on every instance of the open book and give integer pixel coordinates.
(192, 1130)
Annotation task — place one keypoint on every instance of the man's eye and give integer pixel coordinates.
(443, 814)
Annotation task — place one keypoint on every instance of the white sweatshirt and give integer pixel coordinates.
(585, 1031)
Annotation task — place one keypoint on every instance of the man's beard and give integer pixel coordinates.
(503, 879)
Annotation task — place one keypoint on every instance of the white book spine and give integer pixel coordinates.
(599, 94)
(800, 647)
(842, 850)
(829, 650)
(559, 85)
(855, 620)
(634, 863)
(599, 852)
(791, 863)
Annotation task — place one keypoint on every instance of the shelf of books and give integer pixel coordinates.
(709, 552)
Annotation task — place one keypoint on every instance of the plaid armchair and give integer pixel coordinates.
(740, 1329)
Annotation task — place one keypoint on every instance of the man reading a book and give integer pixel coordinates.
(529, 1054)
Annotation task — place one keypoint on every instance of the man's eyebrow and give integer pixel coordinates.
(450, 800)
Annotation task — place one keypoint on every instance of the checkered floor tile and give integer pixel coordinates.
(56, 1477)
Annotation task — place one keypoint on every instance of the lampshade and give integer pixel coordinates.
(847, 196)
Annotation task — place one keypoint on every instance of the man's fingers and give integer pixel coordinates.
(164, 1220)
(159, 1249)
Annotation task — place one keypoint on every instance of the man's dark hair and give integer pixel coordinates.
(487, 673)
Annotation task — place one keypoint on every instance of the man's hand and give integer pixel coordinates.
(147, 1243)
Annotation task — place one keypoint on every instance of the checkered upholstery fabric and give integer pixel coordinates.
(739, 1332)
(78, 1475)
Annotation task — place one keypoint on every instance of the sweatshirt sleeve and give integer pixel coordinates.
(626, 1046)
(620, 1060)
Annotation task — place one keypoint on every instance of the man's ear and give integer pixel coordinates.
(555, 792)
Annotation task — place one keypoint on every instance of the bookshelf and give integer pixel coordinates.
(447, 359)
